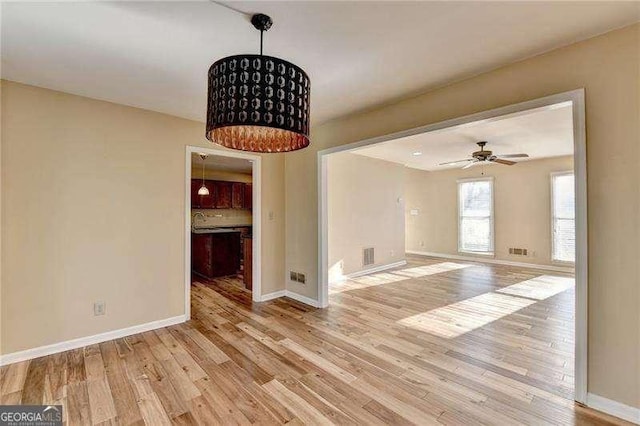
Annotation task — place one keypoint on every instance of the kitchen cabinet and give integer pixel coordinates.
(237, 195)
(215, 254)
(247, 255)
(223, 195)
(248, 196)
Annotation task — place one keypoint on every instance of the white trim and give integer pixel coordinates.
(375, 269)
(303, 299)
(89, 340)
(574, 98)
(292, 295)
(256, 215)
(274, 295)
(323, 226)
(491, 180)
(582, 247)
(483, 259)
(614, 408)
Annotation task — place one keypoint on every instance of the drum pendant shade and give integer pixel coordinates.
(258, 103)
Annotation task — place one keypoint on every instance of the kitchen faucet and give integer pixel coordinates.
(193, 222)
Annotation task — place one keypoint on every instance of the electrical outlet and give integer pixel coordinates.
(421, 243)
(99, 308)
(392, 253)
(271, 215)
(302, 279)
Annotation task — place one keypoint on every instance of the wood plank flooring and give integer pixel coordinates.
(434, 342)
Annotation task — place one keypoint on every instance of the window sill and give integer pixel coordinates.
(563, 263)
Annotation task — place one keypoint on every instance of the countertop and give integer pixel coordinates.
(219, 229)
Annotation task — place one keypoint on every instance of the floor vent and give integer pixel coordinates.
(518, 251)
(368, 256)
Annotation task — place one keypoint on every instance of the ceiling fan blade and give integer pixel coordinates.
(470, 164)
(513, 156)
(505, 162)
(448, 163)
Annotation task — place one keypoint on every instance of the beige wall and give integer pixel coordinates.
(93, 209)
(522, 208)
(362, 193)
(608, 68)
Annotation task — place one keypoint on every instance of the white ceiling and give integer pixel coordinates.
(541, 133)
(227, 164)
(155, 55)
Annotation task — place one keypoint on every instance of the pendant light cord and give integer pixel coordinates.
(261, 33)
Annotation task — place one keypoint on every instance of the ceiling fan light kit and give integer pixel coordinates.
(258, 103)
(485, 157)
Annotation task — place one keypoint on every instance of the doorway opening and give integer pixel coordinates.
(451, 235)
(222, 221)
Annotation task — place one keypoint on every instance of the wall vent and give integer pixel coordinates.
(518, 251)
(298, 277)
(368, 256)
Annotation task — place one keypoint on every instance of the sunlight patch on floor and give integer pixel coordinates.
(365, 282)
(381, 278)
(437, 268)
(461, 317)
(539, 288)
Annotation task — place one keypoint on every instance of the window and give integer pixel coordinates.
(563, 216)
(475, 216)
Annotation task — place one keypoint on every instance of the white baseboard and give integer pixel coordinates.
(89, 340)
(304, 299)
(614, 408)
(494, 261)
(274, 295)
(288, 293)
(378, 268)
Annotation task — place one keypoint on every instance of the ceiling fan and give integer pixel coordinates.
(483, 156)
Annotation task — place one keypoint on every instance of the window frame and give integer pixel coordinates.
(492, 218)
(552, 214)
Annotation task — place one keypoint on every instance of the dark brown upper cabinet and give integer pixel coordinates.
(248, 196)
(237, 195)
(223, 195)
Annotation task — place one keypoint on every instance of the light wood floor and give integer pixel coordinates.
(435, 341)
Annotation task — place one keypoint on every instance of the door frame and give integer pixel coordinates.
(256, 219)
(577, 100)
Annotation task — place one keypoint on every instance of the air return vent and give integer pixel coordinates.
(518, 251)
(368, 256)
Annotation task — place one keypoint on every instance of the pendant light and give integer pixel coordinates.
(203, 189)
(258, 103)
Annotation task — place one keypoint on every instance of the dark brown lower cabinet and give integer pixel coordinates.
(216, 254)
(247, 249)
